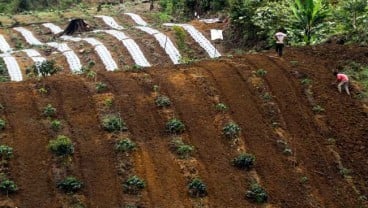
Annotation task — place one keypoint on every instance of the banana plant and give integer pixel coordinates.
(308, 14)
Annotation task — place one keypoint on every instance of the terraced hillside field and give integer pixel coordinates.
(309, 142)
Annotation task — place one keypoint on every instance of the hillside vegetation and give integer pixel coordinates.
(136, 113)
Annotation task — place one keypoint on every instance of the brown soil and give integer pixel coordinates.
(193, 89)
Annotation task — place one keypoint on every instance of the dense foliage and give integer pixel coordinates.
(253, 23)
(12, 6)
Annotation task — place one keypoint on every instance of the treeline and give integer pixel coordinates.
(16, 6)
(253, 22)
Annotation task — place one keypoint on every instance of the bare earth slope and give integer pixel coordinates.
(311, 175)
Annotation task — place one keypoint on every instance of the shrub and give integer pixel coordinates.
(6, 152)
(46, 68)
(2, 124)
(56, 125)
(125, 145)
(7, 186)
(113, 123)
(175, 126)
(197, 188)
(70, 185)
(231, 130)
(221, 107)
(61, 146)
(163, 101)
(49, 111)
(244, 161)
(100, 87)
(133, 185)
(256, 193)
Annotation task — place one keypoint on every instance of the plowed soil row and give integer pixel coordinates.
(192, 89)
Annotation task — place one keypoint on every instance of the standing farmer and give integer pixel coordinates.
(343, 80)
(280, 36)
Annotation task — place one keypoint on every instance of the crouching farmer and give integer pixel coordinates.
(343, 81)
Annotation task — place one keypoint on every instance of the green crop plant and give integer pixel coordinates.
(43, 91)
(221, 107)
(2, 124)
(70, 185)
(113, 123)
(231, 130)
(7, 186)
(244, 161)
(109, 102)
(125, 145)
(261, 73)
(56, 125)
(49, 111)
(306, 81)
(133, 185)
(304, 180)
(181, 149)
(197, 188)
(266, 96)
(162, 101)
(175, 126)
(6, 152)
(101, 87)
(318, 109)
(61, 146)
(256, 194)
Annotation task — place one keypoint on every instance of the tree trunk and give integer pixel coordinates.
(76, 26)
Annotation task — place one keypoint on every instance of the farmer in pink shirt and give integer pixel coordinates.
(343, 80)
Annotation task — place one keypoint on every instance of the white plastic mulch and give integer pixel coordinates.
(71, 57)
(130, 45)
(164, 42)
(137, 19)
(10, 62)
(34, 55)
(30, 38)
(199, 38)
(54, 28)
(103, 53)
(4, 46)
(12, 66)
(101, 50)
(110, 22)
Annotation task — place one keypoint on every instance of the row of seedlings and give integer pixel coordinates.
(183, 152)
(307, 85)
(118, 133)
(7, 186)
(60, 146)
(232, 133)
(62, 149)
(272, 112)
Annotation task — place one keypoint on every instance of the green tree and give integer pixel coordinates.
(243, 29)
(308, 15)
(352, 17)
